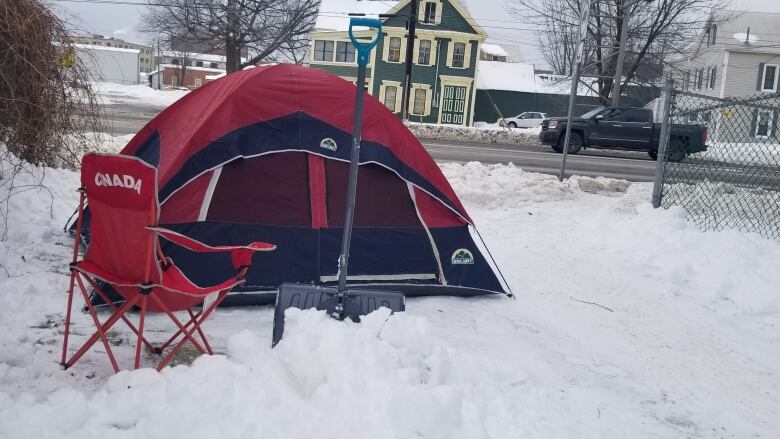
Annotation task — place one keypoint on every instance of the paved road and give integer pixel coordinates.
(128, 118)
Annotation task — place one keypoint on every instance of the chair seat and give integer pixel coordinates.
(173, 280)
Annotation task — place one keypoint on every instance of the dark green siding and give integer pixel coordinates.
(450, 18)
(512, 103)
(340, 70)
(425, 75)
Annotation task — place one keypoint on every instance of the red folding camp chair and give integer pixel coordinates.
(124, 251)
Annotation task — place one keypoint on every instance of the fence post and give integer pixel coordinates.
(663, 142)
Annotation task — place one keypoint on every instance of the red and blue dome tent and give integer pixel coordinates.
(263, 155)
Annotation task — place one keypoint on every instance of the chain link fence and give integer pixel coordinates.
(735, 183)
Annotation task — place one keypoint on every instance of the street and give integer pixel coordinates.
(129, 118)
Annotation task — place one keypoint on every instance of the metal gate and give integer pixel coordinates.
(735, 184)
(453, 104)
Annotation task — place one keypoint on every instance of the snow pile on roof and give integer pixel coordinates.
(493, 49)
(110, 93)
(743, 37)
(655, 329)
(104, 48)
(496, 75)
(333, 13)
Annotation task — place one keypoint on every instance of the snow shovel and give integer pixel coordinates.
(340, 302)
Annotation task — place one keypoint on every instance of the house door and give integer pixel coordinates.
(453, 104)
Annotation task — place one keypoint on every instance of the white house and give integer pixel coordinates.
(110, 64)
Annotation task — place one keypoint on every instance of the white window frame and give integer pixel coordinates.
(398, 93)
(466, 55)
(336, 52)
(332, 51)
(401, 48)
(421, 12)
(198, 82)
(417, 51)
(428, 99)
(763, 78)
(769, 132)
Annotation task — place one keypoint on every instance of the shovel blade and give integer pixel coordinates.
(358, 302)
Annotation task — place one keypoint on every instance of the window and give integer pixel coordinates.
(713, 74)
(458, 54)
(345, 52)
(175, 61)
(199, 64)
(686, 81)
(430, 12)
(424, 52)
(391, 92)
(419, 101)
(214, 65)
(769, 79)
(763, 123)
(198, 82)
(394, 50)
(614, 115)
(713, 34)
(323, 51)
(699, 78)
(174, 80)
(640, 116)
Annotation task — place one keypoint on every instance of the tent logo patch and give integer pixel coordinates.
(125, 181)
(328, 144)
(462, 257)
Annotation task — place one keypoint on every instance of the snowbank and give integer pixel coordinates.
(480, 133)
(629, 322)
(110, 93)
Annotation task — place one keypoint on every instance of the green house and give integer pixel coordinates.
(446, 53)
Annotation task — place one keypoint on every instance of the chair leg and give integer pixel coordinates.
(114, 308)
(73, 274)
(193, 318)
(176, 335)
(188, 333)
(140, 332)
(98, 325)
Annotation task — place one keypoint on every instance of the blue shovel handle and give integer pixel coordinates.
(364, 49)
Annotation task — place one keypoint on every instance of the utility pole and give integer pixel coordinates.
(407, 84)
(625, 9)
(159, 58)
(575, 79)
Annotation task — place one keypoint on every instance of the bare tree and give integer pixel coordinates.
(657, 29)
(262, 27)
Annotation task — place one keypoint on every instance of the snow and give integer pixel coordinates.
(510, 76)
(333, 13)
(111, 93)
(680, 338)
(481, 132)
(493, 49)
(743, 37)
(104, 48)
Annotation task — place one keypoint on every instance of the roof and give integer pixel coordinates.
(333, 13)
(105, 48)
(196, 56)
(498, 75)
(494, 49)
(196, 69)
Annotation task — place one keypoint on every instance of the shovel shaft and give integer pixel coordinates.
(353, 176)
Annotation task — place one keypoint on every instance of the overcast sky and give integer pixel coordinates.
(502, 28)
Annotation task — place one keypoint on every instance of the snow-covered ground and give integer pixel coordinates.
(629, 323)
(481, 132)
(110, 93)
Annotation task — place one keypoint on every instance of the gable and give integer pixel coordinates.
(454, 17)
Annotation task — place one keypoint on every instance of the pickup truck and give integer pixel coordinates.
(623, 128)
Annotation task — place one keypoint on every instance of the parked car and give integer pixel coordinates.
(623, 128)
(529, 119)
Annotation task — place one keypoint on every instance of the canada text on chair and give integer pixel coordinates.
(124, 251)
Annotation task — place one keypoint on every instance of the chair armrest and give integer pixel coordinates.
(240, 254)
